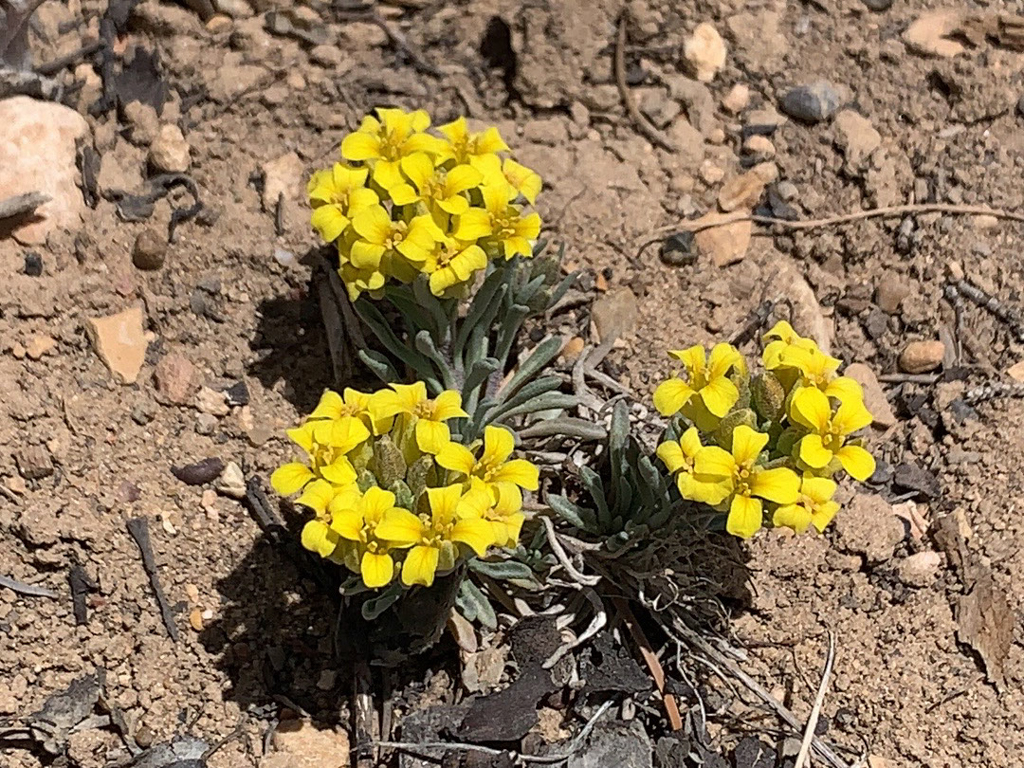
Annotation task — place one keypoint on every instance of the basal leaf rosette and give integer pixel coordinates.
(404, 202)
(395, 498)
(763, 447)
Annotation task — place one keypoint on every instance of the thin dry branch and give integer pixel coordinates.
(812, 721)
(639, 121)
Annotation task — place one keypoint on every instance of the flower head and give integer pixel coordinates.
(425, 415)
(439, 190)
(708, 393)
(336, 194)
(812, 410)
(357, 519)
(504, 513)
(814, 506)
(520, 179)
(352, 404)
(383, 141)
(494, 468)
(500, 223)
(382, 240)
(433, 538)
(743, 483)
(327, 457)
(679, 457)
(464, 147)
(452, 262)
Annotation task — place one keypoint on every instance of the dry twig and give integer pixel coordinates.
(651, 658)
(649, 131)
(138, 527)
(812, 721)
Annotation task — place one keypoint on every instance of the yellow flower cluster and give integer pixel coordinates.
(393, 495)
(407, 203)
(781, 436)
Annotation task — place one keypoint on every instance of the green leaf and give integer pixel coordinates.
(575, 515)
(534, 389)
(567, 426)
(375, 606)
(425, 344)
(502, 569)
(525, 294)
(534, 363)
(379, 365)
(487, 296)
(474, 605)
(511, 322)
(375, 322)
(558, 401)
(562, 288)
(595, 487)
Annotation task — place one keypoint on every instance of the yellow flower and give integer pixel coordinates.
(679, 457)
(383, 142)
(433, 538)
(358, 519)
(436, 188)
(317, 534)
(521, 180)
(381, 239)
(743, 482)
(782, 337)
(352, 405)
(327, 460)
(335, 194)
(451, 263)
(812, 410)
(464, 147)
(359, 281)
(708, 382)
(813, 507)
(504, 515)
(493, 468)
(427, 416)
(501, 222)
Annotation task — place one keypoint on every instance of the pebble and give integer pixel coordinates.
(38, 345)
(922, 356)
(615, 314)
(174, 375)
(143, 122)
(705, 52)
(327, 56)
(811, 103)
(238, 9)
(867, 526)
(120, 342)
(285, 258)
(38, 154)
(737, 99)
(726, 244)
(890, 293)
(931, 34)
(34, 462)
(219, 24)
(572, 349)
(763, 121)
(150, 250)
(742, 191)
(874, 396)
(710, 173)
(231, 481)
(206, 424)
(912, 477)
(33, 264)
(212, 402)
(658, 108)
(878, 5)
(760, 147)
(1016, 371)
(170, 153)
(300, 744)
(237, 394)
(919, 570)
(679, 250)
(199, 473)
(143, 413)
(281, 176)
(855, 137)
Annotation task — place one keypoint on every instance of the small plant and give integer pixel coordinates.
(747, 445)
(395, 499)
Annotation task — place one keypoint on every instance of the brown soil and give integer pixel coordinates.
(250, 623)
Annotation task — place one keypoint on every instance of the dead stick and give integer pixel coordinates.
(19, 205)
(364, 726)
(22, 588)
(138, 527)
(812, 721)
(649, 131)
(657, 672)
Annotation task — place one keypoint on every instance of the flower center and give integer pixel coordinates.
(446, 254)
(391, 146)
(744, 479)
(424, 409)
(399, 229)
(503, 225)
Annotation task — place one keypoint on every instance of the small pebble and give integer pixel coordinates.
(1020, 106)
(878, 5)
(237, 394)
(284, 258)
(922, 356)
(678, 250)
(33, 264)
(150, 250)
(811, 103)
(212, 402)
(199, 473)
(231, 481)
(206, 424)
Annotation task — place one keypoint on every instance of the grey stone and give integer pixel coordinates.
(811, 103)
(878, 5)
(619, 744)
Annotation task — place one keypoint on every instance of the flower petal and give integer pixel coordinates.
(360, 146)
(400, 526)
(818, 489)
(317, 495)
(719, 395)
(372, 224)
(498, 445)
(744, 517)
(377, 570)
(844, 388)
(747, 444)
(477, 534)
(339, 471)
(473, 225)
(444, 502)
(420, 170)
(329, 407)
(823, 515)
(795, 516)
(813, 452)
(348, 524)
(690, 442)
(671, 455)
(811, 409)
(780, 485)
(289, 478)
(671, 395)
(518, 471)
(857, 462)
(448, 405)
(851, 416)
(714, 461)
(317, 537)
(419, 566)
(456, 457)
(432, 436)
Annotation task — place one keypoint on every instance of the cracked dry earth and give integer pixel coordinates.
(83, 447)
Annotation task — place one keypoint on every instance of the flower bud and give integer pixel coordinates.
(768, 396)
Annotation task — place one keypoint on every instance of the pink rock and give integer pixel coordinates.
(37, 154)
